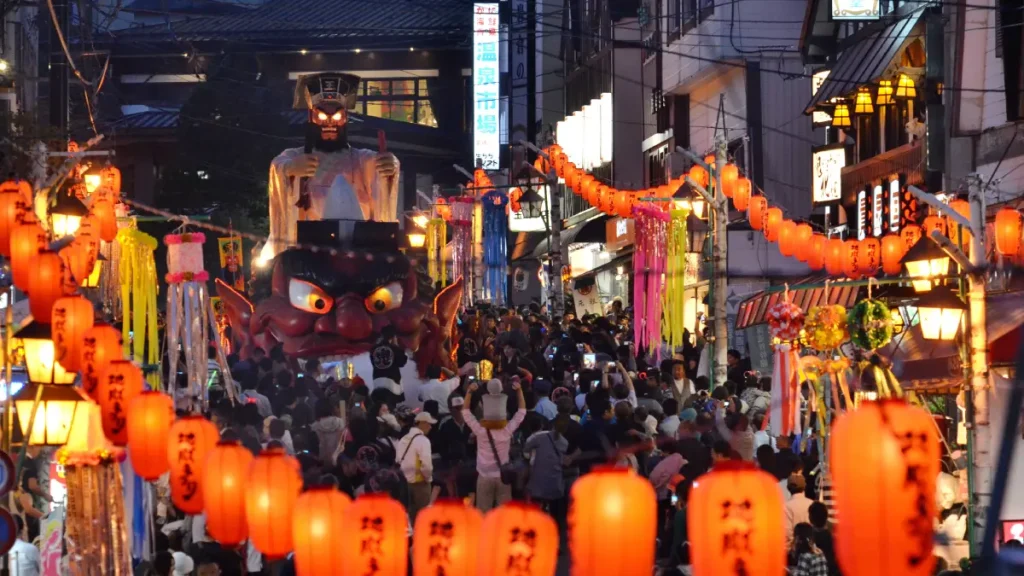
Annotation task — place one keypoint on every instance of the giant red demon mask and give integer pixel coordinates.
(328, 97)
(320, 306)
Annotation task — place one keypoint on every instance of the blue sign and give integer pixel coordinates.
(8, 531)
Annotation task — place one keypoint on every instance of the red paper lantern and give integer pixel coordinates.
(892, 447)
(518, 538)
(70, 318)
(618, 497)
(188, 443)
(803, 241)
(150, 417)
(699, 175)
(893, 249)
(910, 235)
(730, 175)
(119, 383)
(101, 345)
(870, 256)
(586, 182)
(623, 205)
(934, 222)
(852, 258)
(317, 528)
(787, 238)
(112, 179)
(22, 187)
(572, 177)
(106, 219)
(224, 488)
(1008, 231)
(757, 211)
(376, 538)
(451, 526)
(816, 253)
(741, 197)
(27, 240)
(45, 285)
(962, 207)
(12, 206)
(604, 203)
(84, 250)
(835, 254)
(773, 224)
(273, 487)
(735, 522)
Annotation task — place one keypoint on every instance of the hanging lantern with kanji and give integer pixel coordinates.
(316, 528)
(962, 207)
(150, 416)
(735, 522)
(452, 526)
(518, 538)
(757, 211)
(189, 441)
(910, 235)
(12, 209)
(273, 485)
(120, 382)
(870, 257)
(22, 187)
(699, 175)
(773, 224)
(892, 447)
(381, 521)
(101, 345)
(852, 258)
(893, 249)
(612, 496)
(1008, 231)
(787, 238)
(816, 252)
(105, 215)
(70, 318)
(45, 285)
(803, 246)
(835, 255)
(934, 222)
(730, 176)
(741, 197)
(27, 240)
(224, 490)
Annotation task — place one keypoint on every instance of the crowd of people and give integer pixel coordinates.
(533, 403)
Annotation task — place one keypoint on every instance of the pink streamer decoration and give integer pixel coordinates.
(649, 264)
(462, 244)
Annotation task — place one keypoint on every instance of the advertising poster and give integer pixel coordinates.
(231, 262)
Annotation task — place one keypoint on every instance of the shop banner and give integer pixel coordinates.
(51, 540)
(586, 297)
(231, 262)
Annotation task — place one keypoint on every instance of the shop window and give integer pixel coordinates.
(403, 100)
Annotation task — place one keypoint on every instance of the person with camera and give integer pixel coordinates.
(493, 439)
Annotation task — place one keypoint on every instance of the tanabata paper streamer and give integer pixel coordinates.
(437, 232)
(462, 245)
(672, 299)
(649, 261)
(785, 320)
(870, 324)
(187, 316)
(784, 415)
(495, 242)
(825, 327)
(138, 296)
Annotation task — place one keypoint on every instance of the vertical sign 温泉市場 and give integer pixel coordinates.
(486, 86)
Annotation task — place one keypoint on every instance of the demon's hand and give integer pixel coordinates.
(301, 166)
(387, 164)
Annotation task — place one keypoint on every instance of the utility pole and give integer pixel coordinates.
(58, 67)
(980, 434)
(719, 259)
(556, 292)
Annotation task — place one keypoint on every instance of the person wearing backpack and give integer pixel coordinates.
(416, 463)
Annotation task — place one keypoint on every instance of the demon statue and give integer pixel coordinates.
(328, 179)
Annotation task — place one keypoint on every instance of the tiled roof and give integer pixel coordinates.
(335, 20)
(204, 7)
(149, 120)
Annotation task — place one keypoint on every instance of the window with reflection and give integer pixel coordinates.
(401, 99)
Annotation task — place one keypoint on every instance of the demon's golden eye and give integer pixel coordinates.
(321, 116)
(309, 297)
(384, 299)
(336, 117)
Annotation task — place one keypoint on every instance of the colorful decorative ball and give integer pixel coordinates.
(825, 328)
(870, 324)
(785, 321)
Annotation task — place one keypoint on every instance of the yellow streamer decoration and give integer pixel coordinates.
(673, 324)
(137, 275)
(437, 232)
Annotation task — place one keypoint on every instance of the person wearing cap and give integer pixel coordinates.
(545, 407)
(493, 438)
(797, 508)
(416, 463)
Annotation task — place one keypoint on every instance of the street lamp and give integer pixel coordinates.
(690, 200)
(420, 220)
(67, 211)
(926, 264)
(417, 239)
(49, 393)
(940, 312)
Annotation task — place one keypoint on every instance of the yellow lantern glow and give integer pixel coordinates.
(905, 88)
(417, 240)
(940, 312)
(66, 213)
(863, 105)
(926, 263)
(841, 116)
(36, 339)
(55, 411)
(884, 93)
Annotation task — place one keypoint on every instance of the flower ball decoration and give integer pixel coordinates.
(870, 324)
(785, 321)
(826, 327)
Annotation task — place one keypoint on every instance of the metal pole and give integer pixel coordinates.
(719, 258)
(556, 292)
(58, 68)
(980, 455)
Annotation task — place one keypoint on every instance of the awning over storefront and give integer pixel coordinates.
(752, 310)
(591, 231)
(866, 61)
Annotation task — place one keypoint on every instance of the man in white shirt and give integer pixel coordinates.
(415, 460)
(438, 389)
(797, 508)
(761, 437)
(23, 557)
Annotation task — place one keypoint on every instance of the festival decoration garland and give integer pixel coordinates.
(870, 324)
(648, 269)
(825, 328)
(495, 244)
(785, 320)
(673, 324)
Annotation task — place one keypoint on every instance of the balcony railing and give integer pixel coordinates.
(907, 159)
